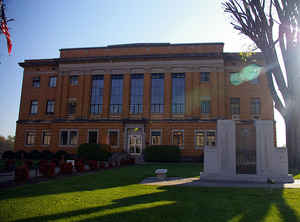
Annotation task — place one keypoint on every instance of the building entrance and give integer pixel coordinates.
(135, 144)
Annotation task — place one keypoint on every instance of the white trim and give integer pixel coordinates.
(155, 130)
(114, 130)
(25, 141)
(178, 130)
(42, 141)
(88, 135)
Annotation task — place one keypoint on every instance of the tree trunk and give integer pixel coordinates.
(292, 122)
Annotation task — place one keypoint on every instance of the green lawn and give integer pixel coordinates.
(115, 195)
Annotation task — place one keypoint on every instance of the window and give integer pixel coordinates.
(50, 107)
(68, 137)
(199, 139)
(205, 106)
(116, 99)
(52, 81)
(97, 95)
(29, 138)
(93, 137)
(113, 137)
(46, 138)
(72, 106)
(235, 105)
(204, 76)
(74, 80)
(157, 93)
(255, 106)
(136, 93)
(34, 107)
(177, 138)
(36, 82)
(178, 87)
(155, 137)
(211, 138)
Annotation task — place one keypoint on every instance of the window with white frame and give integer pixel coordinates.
(235, 106)
(50, 107)
(199, 139)
(136, 93)
(52, 81)
(46, 138)
(204, 76)
(74, 80)
(205, 106)
(211, 138)
(113, 138)
(178, 138)
(29, 138)
(157, 93)
(155, 137)
(36, 82)
(68, 137)
(97, 94)
(93, 136)
(255, 106)
(34, 107)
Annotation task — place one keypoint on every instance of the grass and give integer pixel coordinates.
(116, 195)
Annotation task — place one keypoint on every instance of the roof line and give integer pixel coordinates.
(132, 45)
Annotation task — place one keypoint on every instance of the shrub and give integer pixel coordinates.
(10, 164)
(21, 154)
(9, 155)
(79, 165)
(47, 169)
(21, 173)
(35, 155)
(162, 153)
(58, 155)
(47, 155)
(98, 152)
(66, 168)
(93, 164)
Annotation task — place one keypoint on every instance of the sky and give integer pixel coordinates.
(41, 28)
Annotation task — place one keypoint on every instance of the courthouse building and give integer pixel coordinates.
(134, 95)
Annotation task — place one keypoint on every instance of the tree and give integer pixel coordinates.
(274, 27)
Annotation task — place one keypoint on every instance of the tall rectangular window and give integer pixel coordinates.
(113, 137)
(116, 98)
(155, 137)
(50, 107)
(36, 82)
(157, 93)
(74, 80)
(235, 105)
(52, 81)
(72, 106)
(97, 95)
(34, 107)
(205, 106)
(178, 92)
(93, 137)
(199, 139)
(136, 93)
(46, 138)
(211, 138)
(204, 76)
(68, 137)
(30, 138)
(255, 106)
(178, 138)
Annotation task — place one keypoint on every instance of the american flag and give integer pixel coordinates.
(4, 28)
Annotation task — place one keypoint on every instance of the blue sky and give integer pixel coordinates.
(41, 28)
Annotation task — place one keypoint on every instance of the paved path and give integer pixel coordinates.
(195, 181)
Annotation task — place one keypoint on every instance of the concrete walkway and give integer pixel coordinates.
(196, 182)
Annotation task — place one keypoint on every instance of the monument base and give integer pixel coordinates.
(245, 178)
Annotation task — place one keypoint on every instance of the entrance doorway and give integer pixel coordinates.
(135, 144)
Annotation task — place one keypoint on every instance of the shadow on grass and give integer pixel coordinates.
(116, 177)
(186, 204)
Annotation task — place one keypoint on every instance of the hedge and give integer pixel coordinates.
(98, 152)
(162, 153)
